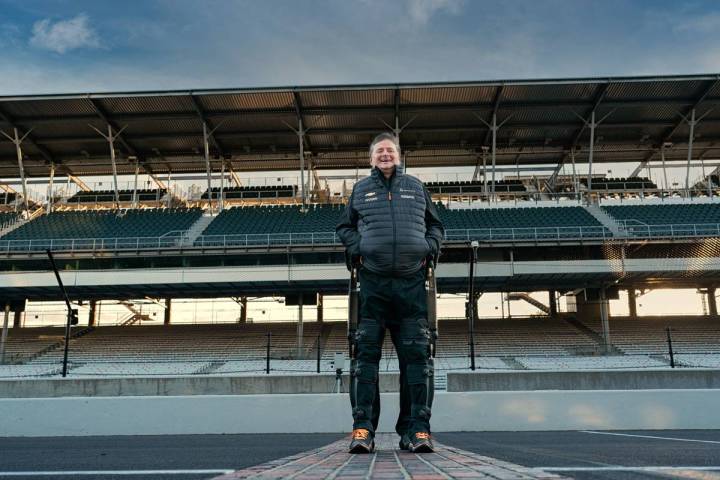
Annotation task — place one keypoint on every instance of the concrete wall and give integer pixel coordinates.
(180, 386)
(467, 411)
(583, 380)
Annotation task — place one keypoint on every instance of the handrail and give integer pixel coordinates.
(176, 238)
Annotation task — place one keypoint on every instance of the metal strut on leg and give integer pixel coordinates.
(470, 305)
(431, 290)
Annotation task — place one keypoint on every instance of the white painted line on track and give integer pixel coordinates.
(625, 469)
(651, 436)
(58, 473)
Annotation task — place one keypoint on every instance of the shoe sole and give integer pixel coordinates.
(422, 449)
(362, 449)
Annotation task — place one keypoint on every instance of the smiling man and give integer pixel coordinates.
(390, 229)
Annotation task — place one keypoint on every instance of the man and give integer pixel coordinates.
(391, 229)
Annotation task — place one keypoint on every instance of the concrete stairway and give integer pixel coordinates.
(606, 220)
(197, 228)
(524, 296)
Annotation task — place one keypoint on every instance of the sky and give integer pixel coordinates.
(56, 46)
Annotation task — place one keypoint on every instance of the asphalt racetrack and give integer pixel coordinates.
(571, 454)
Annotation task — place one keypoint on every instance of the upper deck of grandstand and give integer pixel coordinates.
(292, 225)
(448, 124)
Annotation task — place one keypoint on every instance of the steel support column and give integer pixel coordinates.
(484, 171)
(320, 313)
(167, 317)
(243, 310)
(552, 301)
(92, 314)
(50, 197)
(604, 319)
(591, 151)
(17, 319)
(301, 146)
(576, 187)
(300, 328)
(632, 303)
(664, 167)
(221, 199)
(712, 301)
(17, 141)
(493, 154)
(691, 124)
(136, 200)
(110, 138)
(3, 338)
(208, 168)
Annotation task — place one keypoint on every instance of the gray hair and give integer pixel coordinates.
(385, 136)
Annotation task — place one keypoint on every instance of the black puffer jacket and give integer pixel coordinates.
(391, 223)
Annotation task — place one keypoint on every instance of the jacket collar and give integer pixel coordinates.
(380, 179)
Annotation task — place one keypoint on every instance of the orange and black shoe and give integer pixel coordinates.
(420, 442)
(361, 441)
(405, 441)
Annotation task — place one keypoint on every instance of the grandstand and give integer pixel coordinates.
(108, 196)
(531, 192)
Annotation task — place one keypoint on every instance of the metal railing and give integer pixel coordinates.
(530, 233)
(92, 244)
(267, 239)
(175, 239)
(635, 228)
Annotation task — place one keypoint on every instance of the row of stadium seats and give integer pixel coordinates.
(674, 214)
(629, 183)
(249, 192)
(93, 196)
(545, 222)
(106, 224)
(261, 221)
(474, 187)
(519, 337)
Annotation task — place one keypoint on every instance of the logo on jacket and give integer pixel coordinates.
(370, 194)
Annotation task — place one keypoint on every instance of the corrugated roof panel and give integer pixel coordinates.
(340, 140)
(257, 123)
(68, 129)
(334, 98)
(148, 127)
(536, 115)
(173, 144)
(280, 140)
(350, 120)
(658, 113)
(680, 89)
(442, 119)
(580, 92)
(247, 101)
(448, 95)
(47, 108)
(149, 104)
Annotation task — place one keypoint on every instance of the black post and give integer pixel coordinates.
(267, 354)
(72, 316)
(672, 356)
(470, 305)
(318, 354)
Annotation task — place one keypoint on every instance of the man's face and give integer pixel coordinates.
(385, 157)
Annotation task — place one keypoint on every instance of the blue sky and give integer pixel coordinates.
(82, 46)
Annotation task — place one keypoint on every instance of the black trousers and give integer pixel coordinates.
(398, 304)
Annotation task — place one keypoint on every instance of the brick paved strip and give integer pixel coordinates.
(388, 463)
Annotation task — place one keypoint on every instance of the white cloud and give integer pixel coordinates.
(422, 10)
(64, 35)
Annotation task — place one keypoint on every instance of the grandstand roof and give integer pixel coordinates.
(444, 123)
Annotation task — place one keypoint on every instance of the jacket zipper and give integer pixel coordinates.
(392, 216)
